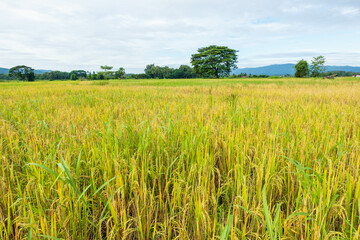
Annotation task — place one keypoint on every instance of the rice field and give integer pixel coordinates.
(180, 159)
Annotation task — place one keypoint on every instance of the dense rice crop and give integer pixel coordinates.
(180, 159)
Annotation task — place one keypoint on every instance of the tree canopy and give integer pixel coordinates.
(153, 71)
(302, 69)
(54, 75)
(107, 73)
(120, 73)
(318, 66)
(106, 68)
(79, 73)
(214, 61)
(22, 73)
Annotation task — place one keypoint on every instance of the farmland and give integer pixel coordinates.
(180, 159)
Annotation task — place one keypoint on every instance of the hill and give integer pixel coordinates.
(4, 70)
(37, 71)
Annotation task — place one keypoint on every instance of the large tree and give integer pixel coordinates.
(318, 66)
(154, 71)
(106, 68)
(107, 71)
(302, 69)
(23, 73)
(214, 61)
(120, 73)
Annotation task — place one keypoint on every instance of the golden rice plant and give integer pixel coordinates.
(180, 159)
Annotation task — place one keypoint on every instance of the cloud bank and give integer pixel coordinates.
(66, 35)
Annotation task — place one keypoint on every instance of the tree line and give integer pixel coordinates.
(25, 73)
(209, 62)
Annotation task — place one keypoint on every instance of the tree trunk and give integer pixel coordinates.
(217, 73)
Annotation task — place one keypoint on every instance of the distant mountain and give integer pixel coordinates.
(343, 68)
(40, 71)
(4, 70)
(283, 69)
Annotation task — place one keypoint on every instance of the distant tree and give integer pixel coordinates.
(302, 69)
(100, 76)
(183, 71)
(22, 73)
(214, 61)
(341, 73)
(152, 71)
(54, 75)
(93, 76)
(241, 75)
(120, 73)
(139, 76)
(107, 71)
(79, 73)
(317, 67)
(106, 68)
(73, 77)
(4, 76)
(258, 76)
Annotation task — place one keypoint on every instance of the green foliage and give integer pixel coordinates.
(225, 232)
(214, 61)
(240, 75)
(100, 76)
(243, 75)
(302, 69)
(317, 67)
(120, 73)
(73, 77)
(107, 73)
(156, 71)
(4, 76)
(153, 71)
(139, 76)
(106, 68)
(183, 71)
(54, 75)
(22, 73)
(79, 73)
(340, 73)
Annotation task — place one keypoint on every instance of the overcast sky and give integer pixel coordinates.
(79, 34)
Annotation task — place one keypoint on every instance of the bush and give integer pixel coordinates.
(73, 77)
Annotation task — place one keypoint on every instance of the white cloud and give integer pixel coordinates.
(68, 34)
(271, 26)
(350, 11)
(297, 8)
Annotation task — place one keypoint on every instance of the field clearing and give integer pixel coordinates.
(180, 159)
